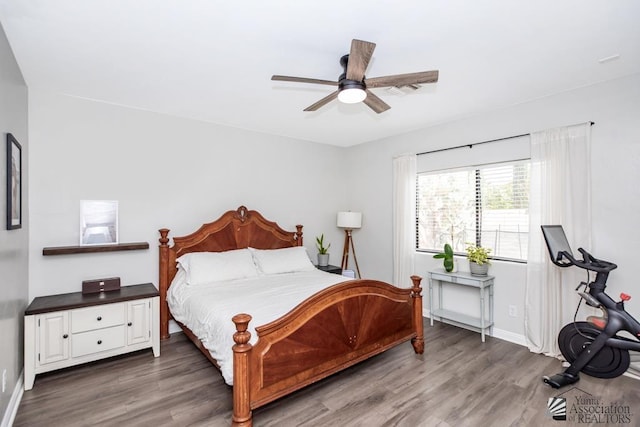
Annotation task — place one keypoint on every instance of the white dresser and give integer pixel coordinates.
(70, 329)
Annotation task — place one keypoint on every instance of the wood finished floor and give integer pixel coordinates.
(459, 381)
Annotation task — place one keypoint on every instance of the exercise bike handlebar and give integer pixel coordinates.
(589, 262)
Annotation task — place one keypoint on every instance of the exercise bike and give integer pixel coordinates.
(592, 347)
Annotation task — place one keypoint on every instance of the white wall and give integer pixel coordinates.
(165, 172)
(614, 106)
(178, 173)
(14, 244)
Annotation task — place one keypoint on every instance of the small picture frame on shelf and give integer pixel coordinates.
(14, 183)
(98, 222)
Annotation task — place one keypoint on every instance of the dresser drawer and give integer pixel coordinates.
(97, 317)
(96, 341)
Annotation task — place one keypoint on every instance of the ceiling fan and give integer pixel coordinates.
(354, 87)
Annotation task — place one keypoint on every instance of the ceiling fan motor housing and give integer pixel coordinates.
(343, 82)
(351, 84)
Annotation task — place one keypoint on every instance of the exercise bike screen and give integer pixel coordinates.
(556, 243)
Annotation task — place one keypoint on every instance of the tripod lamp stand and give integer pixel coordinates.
(349, 221)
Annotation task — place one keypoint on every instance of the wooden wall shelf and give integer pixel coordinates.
(68, 250)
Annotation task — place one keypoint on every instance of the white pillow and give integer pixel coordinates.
(207, 267)
(286, 260)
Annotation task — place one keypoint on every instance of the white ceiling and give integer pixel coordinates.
(213, 60)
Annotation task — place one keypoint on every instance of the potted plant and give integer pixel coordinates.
(447, 258)
(478, 260)
(323, 255)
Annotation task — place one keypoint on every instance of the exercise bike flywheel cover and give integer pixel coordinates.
(609, 362)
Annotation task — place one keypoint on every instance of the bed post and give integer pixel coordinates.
(242, 416)
(416, 294)
(164, 283)
(298, 235)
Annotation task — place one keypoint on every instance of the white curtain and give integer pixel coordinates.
(560, 193)
(404, 218)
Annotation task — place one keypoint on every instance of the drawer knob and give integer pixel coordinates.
(99, 318)
(129, 324)
(99, 342)
(65, 336)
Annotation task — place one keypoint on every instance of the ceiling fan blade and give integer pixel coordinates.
(359, 58)
(323, 101)
(375, 103)
(303, 80)
(400, 80)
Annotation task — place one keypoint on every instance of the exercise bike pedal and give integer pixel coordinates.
(560, 380)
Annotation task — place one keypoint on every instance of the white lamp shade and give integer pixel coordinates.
(349, 220)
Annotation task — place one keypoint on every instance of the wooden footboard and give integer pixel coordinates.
(336, 328)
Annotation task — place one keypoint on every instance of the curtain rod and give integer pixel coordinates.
(480, 143)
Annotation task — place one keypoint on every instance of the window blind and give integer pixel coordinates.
(484, 205)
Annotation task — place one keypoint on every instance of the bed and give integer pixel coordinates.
(328, 331)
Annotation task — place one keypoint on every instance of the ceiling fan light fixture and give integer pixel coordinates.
(352, 96)
(351, 92)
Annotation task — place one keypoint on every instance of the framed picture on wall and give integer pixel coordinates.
(14, 183)
(98, 222)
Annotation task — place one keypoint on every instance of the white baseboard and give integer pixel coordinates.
(496, 333)
(14, 403)
(509, 336)
(173, 327)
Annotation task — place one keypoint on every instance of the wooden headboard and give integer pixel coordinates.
(236, 229)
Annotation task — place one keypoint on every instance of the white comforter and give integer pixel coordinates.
(207, 309)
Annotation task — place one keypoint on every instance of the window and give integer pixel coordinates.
(484, 205)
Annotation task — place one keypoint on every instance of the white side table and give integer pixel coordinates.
(484, 284)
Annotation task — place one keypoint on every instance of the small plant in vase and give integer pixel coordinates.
(478, 260)
(323, 254)
(447, 258)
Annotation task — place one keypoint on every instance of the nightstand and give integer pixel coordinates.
(330, 269)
